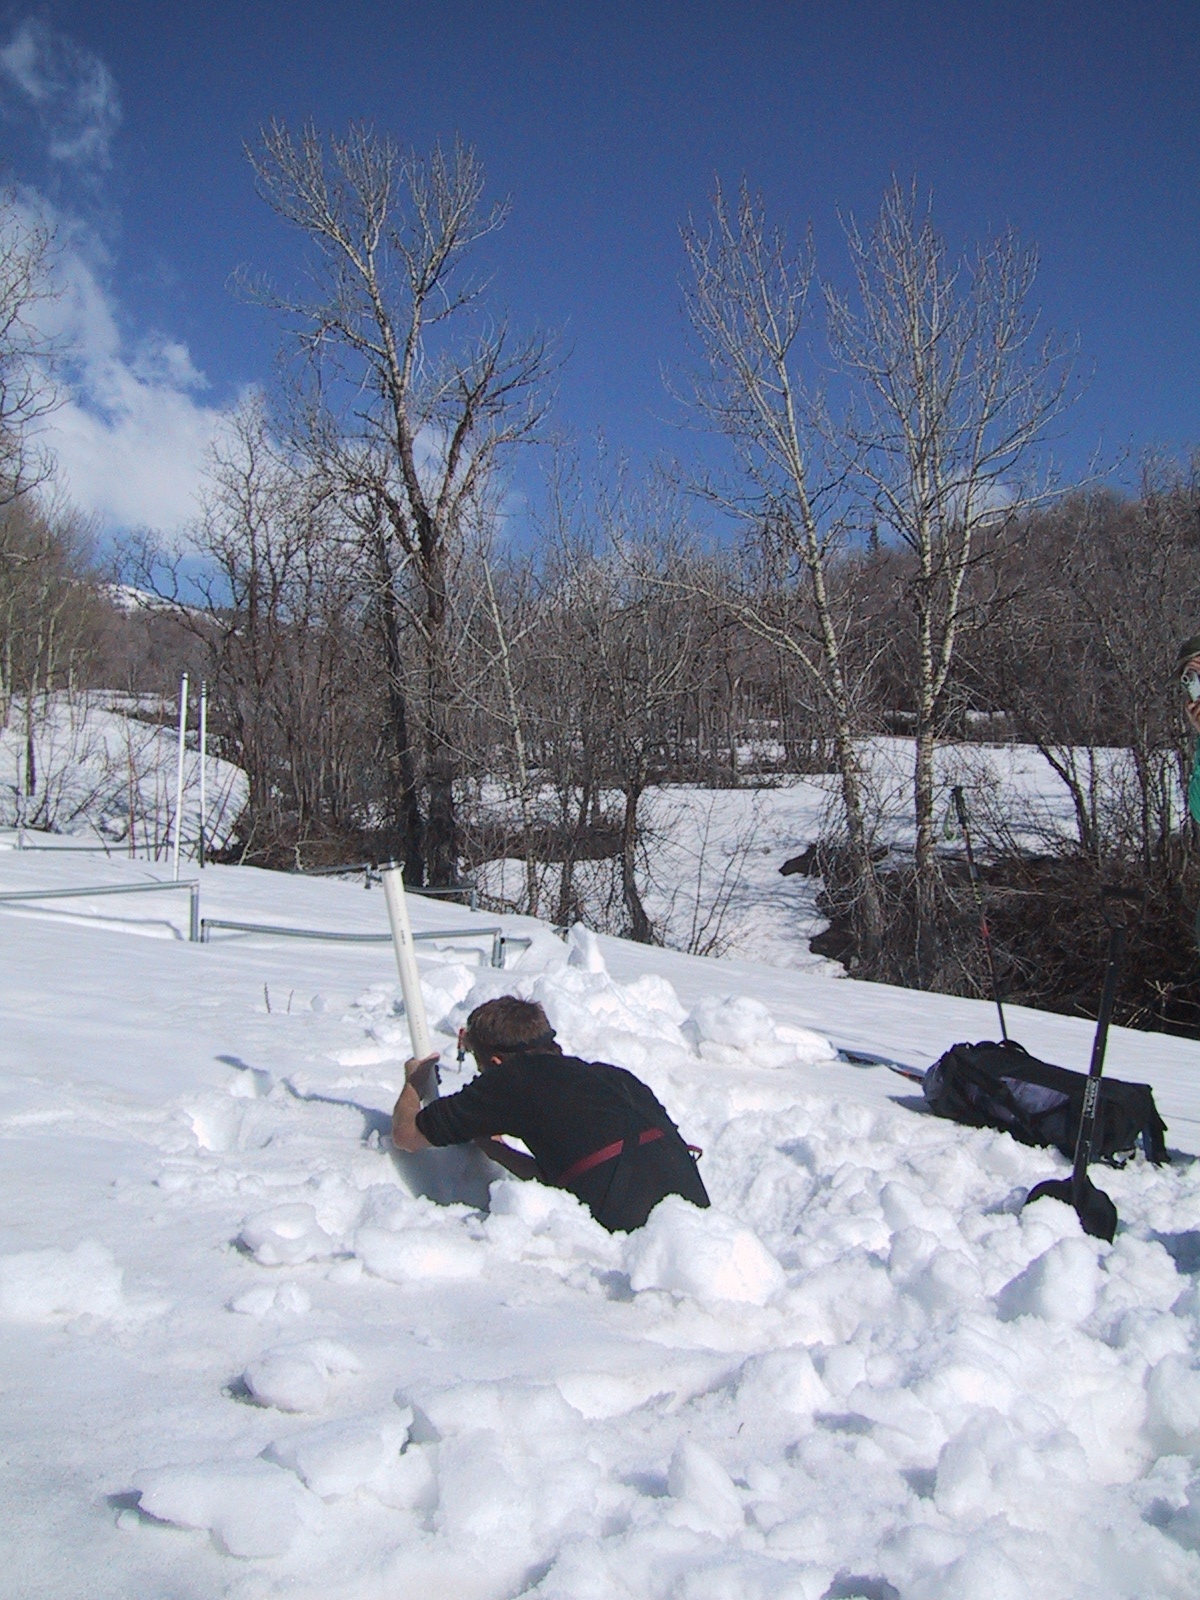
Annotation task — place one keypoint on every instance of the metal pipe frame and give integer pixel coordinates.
(192, 885)
(496, 934)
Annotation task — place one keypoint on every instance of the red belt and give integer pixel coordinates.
(609, 1153)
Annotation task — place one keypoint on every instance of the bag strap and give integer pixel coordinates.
(608, 1152)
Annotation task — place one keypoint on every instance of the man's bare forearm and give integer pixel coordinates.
(514, 1161)
(405, 1133)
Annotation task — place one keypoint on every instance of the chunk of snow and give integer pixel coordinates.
(250, 1508)
(418, 1254)
(583, 950)
(286, 1235)
(299, 1377)
(1060, 1285)
(709, 1502)
(337, 1458)
(705, 1254)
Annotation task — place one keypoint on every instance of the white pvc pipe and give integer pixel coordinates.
(203, 770)
(183, 695)
(406, 961)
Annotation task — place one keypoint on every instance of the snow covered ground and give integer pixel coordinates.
(710, 874)
(102, 773)
(246, 1349)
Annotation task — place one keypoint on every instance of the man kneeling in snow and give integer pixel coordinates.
(590, 1128)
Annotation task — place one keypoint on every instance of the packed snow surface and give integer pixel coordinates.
(247, 1349)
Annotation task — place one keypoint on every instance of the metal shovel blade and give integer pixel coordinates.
(1096, 1212)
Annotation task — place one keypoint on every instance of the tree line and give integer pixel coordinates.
(884, 550)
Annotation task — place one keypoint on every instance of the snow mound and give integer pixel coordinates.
(705, 1254)
(285, 1236)
(1061, 1285)
(337, 1459)
(299, 1377)
(250, 1508)
(54, 1285)
(733, 1030)
(437, 1255)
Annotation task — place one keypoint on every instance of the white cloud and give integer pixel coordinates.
(70, 89)
(132, 433)
(132, 429)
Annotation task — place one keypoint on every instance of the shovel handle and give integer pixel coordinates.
(1091, 1091)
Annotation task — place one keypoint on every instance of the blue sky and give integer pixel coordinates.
(1078, 123)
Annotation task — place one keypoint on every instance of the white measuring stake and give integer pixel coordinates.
(203, 771)
(183, 711)
(406, 961)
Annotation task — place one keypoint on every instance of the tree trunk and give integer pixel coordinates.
(405, 804)
(639, 923)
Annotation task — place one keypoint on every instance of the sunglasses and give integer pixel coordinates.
(1190, 684)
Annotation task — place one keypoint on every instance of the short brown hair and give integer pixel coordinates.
(499, 1027)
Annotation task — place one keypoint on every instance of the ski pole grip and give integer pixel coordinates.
(406, 960)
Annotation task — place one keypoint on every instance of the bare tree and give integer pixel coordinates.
(51, 617)
(26, 390)
(277, 616)
(954, 390)
(746, 297)
(413, 398)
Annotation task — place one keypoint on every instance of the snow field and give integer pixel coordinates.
(246, 1349)
(709, 874)
(105, 775)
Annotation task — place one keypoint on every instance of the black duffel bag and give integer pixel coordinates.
(1002, 1086)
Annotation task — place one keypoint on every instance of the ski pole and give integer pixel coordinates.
(960, 805)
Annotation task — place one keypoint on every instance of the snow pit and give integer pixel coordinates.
(250, 1508)
(54, 1285)
(704, 1254)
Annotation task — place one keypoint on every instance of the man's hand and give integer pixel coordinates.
(405, 1133)
(517, 1162)
(421, 1072)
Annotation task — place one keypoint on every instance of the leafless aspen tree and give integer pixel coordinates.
(746, 298)
(954, 389)
(26, 391)
(424, 394)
